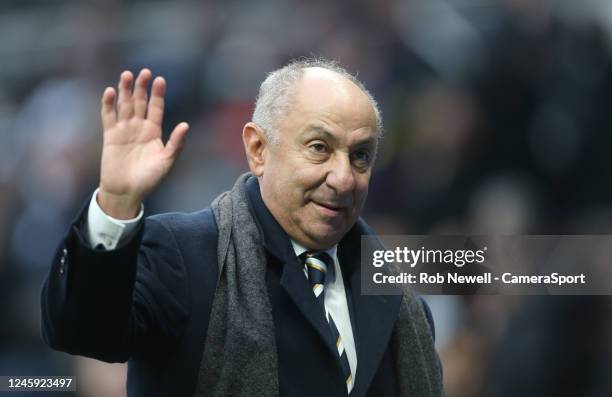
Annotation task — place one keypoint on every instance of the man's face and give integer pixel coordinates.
(315, 178)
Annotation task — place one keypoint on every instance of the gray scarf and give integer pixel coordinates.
(240, 350)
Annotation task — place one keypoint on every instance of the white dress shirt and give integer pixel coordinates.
(110, 232)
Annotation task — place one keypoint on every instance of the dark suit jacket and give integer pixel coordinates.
(149, 302)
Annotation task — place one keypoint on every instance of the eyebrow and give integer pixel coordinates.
(316, 128)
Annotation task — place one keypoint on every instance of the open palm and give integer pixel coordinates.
(134, 157)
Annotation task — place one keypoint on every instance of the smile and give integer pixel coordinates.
(328, 210)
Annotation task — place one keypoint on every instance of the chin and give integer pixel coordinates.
(326, 239)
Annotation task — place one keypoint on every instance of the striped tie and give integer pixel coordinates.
(316, 265)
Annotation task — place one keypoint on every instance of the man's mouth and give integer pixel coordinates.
(329, 209)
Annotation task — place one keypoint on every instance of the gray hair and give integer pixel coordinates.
(275, 93)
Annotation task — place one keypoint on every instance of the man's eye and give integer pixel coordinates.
(317, 147)
(362, 156)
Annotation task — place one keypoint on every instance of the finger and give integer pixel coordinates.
(176, 140)
(124, 103)
(140, 92)
(107, 111)
(155, 112)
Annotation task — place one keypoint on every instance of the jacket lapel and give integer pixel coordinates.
(374, 315)
(296, 285)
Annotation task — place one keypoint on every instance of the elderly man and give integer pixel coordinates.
(259, 294)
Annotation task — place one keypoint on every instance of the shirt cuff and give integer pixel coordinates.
(106, 231)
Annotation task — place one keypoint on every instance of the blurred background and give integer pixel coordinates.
(498, 120)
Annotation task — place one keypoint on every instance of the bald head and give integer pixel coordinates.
(318, 81)
(330, 96)
(278, 92)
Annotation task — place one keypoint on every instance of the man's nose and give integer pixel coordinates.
(341, 176)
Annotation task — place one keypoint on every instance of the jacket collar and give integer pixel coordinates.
(275, 239)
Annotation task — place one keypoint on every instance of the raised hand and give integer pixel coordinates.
(134, 157)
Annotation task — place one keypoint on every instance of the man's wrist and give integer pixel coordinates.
(119, 207)
(106, 231)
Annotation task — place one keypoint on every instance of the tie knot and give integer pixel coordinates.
(318, 265)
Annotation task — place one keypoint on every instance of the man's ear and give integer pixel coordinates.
(255, 146)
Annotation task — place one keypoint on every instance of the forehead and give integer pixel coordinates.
(326, 96)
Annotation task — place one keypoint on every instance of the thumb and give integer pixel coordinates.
(176, 140)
